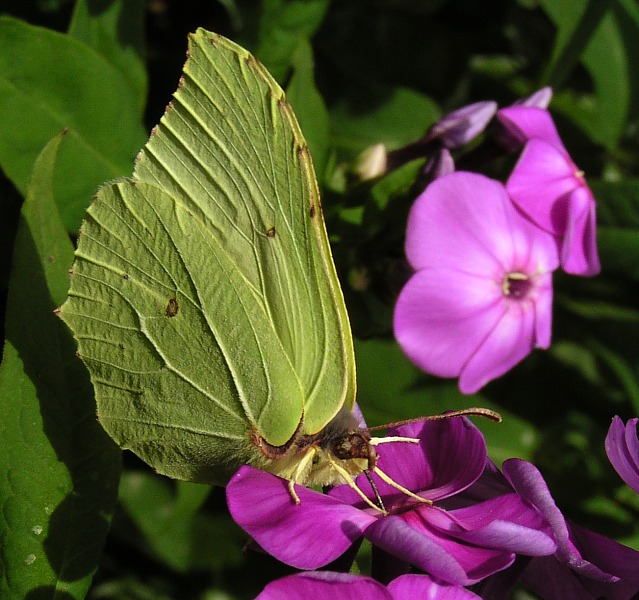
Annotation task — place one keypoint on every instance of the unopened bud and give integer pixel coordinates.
(371, 163)
(463, 125)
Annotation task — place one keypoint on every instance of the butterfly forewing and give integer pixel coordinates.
(230, 149)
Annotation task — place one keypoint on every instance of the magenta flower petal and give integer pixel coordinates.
(529, 483)
(442, 317)
(442, 557)
(306, 535)
(585, 565)
(462, 221)
(525, 122)
(541, 184)
(606, 561)
(325, 584)
(450, 457)
(548, 187)
(506, 523)
(615, 576)
(511, 339)
(413, 587)
(550, 580)
(579, 248)
(622, 447)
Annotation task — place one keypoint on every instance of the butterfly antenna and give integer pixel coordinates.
(464, 412)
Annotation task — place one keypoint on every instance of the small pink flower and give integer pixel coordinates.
(548, 187)
(481, 297)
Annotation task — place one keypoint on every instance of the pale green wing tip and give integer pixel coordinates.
(203, 36)
(315, 416)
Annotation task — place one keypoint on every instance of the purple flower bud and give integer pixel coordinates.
(462, 125)
(438, 165)
(622, 447)
(541, 98)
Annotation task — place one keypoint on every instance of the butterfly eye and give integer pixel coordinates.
(352, 445)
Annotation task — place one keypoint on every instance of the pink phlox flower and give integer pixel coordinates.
(325, 584)
(585, 565)
(458, 547)
(346, 586)
(550, 189)
(480, 299)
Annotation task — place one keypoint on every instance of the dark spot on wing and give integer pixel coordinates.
(172, 308)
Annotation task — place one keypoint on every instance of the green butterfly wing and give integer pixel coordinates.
(204, 297)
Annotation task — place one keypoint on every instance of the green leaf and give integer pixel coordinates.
(309, 105)
(627, 17)
(404, 392)
(619, 251)
(618, 233)
(395, 120)
(283, 24)
(116, 30)
(602, 319)
(626, 370)
(590, 32)
(617, 203)
(204, 298)
(59, 468)
(175, 531)
(50, 81)
(573, 37)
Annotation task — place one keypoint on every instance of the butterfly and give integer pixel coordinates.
(204, 298)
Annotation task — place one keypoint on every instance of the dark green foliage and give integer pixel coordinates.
(357, 73)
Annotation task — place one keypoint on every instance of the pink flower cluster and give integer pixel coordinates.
(483, 253)
(486, 529)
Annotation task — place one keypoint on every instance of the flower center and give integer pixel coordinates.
(516, 285)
